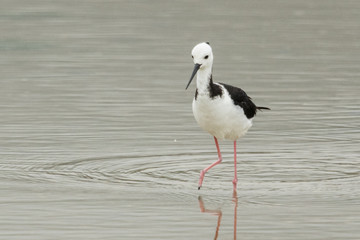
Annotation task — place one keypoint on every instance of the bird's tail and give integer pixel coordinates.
(262, 108)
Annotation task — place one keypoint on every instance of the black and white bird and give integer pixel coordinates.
(225, 111)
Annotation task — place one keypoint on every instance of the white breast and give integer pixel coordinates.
(220, 117)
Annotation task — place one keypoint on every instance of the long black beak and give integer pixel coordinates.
(196, 68)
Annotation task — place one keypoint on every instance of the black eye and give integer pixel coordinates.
(192, 56)
(206, 57)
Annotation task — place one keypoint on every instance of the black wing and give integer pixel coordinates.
(241, 99)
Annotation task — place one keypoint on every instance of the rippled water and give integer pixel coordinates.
(98, 141)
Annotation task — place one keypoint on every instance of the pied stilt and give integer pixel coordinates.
(226, 112)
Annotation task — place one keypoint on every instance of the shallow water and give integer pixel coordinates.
(98, 141)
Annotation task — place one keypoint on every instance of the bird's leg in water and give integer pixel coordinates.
(235, 172)
(202, 173)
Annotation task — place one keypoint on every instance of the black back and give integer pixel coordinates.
(238, 96)
(214, 90)
(241, 99)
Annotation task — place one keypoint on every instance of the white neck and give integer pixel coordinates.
(203, 80)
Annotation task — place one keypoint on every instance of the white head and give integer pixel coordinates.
(203, 58)
(202, 54)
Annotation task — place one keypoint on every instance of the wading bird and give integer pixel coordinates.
(225, 111)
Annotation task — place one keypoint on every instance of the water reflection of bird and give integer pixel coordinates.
(226, 112)
(219, 213)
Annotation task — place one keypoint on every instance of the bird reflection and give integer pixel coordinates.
(214, 212)
(218, 213)
(235, 200)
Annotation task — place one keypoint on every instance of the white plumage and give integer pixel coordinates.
(220, 117)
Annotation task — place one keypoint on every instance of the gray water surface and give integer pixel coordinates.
(98, 141)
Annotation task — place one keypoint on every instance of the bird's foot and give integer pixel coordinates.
(234, 181)
(202, 174)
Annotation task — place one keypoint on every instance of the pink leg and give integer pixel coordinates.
(235, 173)
(202, 173)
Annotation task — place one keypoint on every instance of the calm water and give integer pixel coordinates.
(98, 141)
